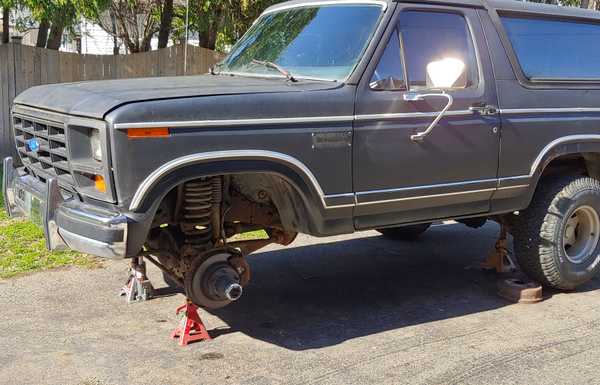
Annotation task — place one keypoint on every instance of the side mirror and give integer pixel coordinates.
(446, 73)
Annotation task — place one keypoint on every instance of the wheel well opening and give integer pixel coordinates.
(576, 164)
(246, 211)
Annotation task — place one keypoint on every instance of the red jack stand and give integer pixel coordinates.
(191, 328)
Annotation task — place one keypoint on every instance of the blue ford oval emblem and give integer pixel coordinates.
(33, 145)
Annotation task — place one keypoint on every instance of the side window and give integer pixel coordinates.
(389, 74)
(550, 49)
(435, 36)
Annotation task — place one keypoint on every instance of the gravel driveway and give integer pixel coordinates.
(345, 310)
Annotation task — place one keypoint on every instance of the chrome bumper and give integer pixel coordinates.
(67, 223)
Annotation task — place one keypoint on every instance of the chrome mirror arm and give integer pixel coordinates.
(413, 97)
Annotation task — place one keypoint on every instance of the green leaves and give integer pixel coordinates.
(219, 23)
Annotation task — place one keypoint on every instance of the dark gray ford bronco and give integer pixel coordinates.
(330, 117)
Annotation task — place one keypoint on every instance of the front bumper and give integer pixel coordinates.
(67, 222)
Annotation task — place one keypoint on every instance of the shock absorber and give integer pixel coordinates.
(201, 211)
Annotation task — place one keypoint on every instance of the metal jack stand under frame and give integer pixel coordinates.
(500, 259)
(138, 287)
(191, 328)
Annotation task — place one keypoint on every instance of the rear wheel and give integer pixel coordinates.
(557, 237)
(406, 233)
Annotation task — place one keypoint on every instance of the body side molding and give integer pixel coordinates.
(334, 119)
(304, 171)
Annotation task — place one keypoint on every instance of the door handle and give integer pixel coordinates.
(413, 97)
(483, 109)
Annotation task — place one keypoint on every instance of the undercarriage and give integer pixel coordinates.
(197, 237)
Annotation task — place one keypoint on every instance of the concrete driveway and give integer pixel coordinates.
(345, 310)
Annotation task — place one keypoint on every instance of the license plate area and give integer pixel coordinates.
(31, 205)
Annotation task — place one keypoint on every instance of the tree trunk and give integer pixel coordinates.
(589, 4)
(208, 39)
(113, 21)
(55, 38)
(146, 44)
(5, 25)
(42, 37)
(166, 19)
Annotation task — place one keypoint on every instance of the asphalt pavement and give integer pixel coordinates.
(356, 309)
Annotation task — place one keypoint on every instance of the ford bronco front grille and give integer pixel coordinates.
(42, 147)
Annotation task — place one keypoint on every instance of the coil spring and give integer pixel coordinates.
(201, 211)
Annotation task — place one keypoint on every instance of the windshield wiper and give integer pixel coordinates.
(274, 66)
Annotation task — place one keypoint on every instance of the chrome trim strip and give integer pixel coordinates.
(348, 195)
(333, 119)
(513, 187)
(279, 121)
(237, 122)
(510, 111)
(150, 181)
(261, 154)
(414, 188)
(564, 139)
(381, 3)
(428, 196)
(513, 178)
(410, 115)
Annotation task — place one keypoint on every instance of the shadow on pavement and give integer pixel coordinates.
(315, 296)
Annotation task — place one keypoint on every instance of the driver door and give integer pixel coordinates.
(450, 172)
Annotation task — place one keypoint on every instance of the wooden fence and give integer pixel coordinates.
(23, 66)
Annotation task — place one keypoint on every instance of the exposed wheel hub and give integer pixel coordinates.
(581, 234)
(216, 278)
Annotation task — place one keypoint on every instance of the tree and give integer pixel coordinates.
(590, 4)
(6, 7)
(135, 22)
(219, 23)
(166, 23)
(42, 37)
(53, 16)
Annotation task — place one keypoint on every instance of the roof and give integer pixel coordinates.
(500, 5)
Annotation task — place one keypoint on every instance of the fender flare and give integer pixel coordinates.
(566, 145)
(189, 167)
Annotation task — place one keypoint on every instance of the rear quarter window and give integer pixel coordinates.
(555, 49)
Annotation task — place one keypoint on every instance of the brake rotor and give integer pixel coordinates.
(197, 278)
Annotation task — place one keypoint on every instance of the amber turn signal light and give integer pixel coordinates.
(100, 183)
(158, 132)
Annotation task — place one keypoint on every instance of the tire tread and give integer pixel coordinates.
(535, 227)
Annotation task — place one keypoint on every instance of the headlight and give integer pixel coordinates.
(96, 142)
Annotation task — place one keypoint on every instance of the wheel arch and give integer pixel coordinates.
(180, 170)
(575, 152)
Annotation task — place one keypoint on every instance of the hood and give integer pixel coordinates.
(94, 99)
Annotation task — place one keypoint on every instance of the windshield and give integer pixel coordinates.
(320, 42)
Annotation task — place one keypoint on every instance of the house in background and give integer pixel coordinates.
(89, 38)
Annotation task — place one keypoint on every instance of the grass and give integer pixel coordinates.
(251, 236)
(23, 249)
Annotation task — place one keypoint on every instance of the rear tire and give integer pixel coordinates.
(406, 233)
(557, 238)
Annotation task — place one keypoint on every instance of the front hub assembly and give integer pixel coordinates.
(216, 278)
